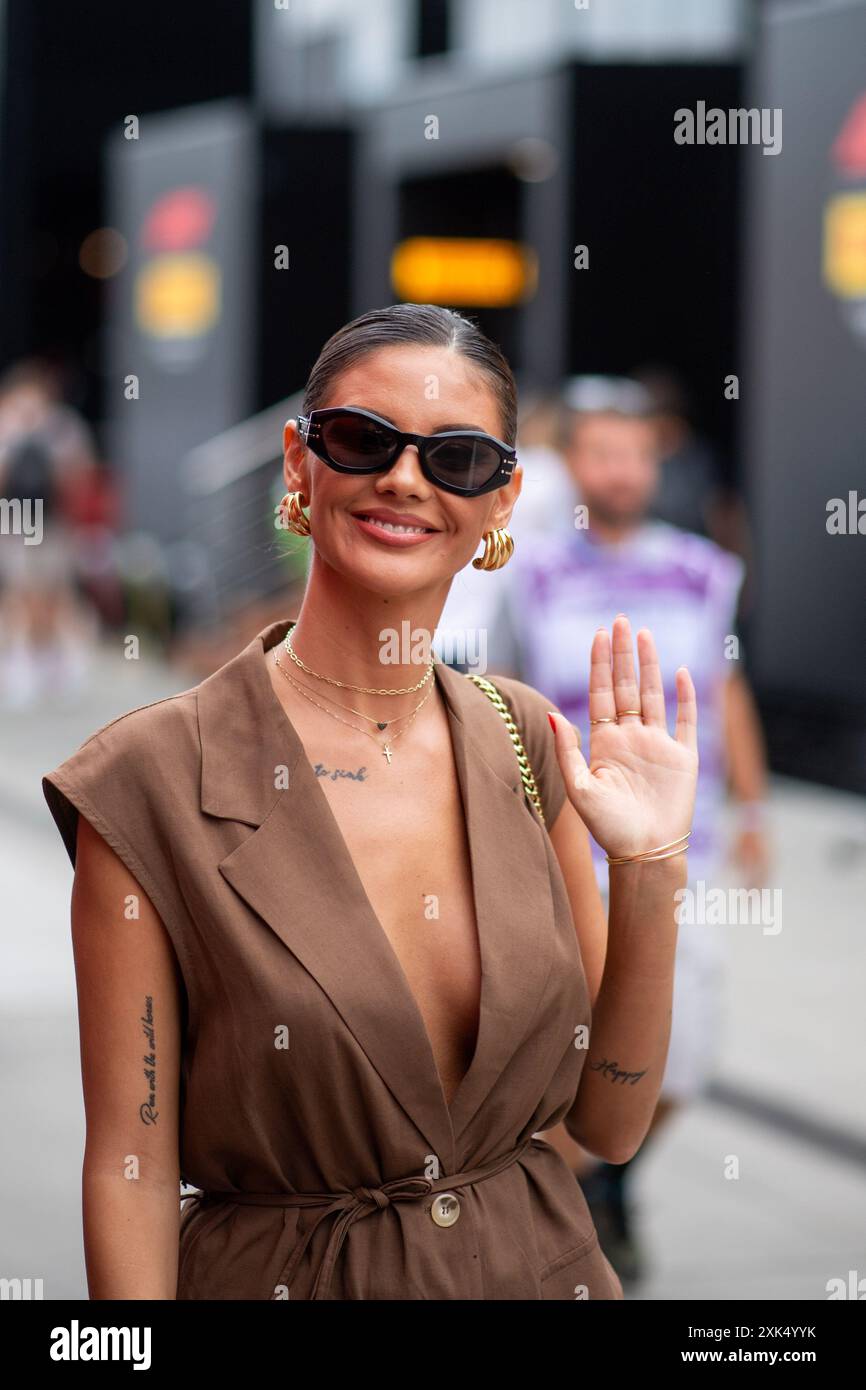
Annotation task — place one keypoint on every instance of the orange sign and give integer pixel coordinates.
(480, 272)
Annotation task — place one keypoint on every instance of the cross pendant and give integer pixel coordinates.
(386, 753)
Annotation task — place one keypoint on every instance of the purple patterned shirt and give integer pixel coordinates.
(681, 586)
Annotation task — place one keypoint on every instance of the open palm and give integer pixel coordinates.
(638, 790)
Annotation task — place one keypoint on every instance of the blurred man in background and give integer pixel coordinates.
(684, 588)
(692, 492)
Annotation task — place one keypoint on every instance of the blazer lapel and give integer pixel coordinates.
(296, 873)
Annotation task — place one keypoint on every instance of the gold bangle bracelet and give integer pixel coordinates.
(650, 854)
(650, 858)
(670, 844)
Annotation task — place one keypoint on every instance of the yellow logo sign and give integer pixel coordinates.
(178, 296)
(844, 265)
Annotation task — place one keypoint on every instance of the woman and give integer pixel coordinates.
(335, 968)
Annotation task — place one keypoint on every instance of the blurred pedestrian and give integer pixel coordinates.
(692, 492)
(46, 631)
(684, 587)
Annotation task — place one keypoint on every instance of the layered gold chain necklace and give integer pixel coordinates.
(381, 724)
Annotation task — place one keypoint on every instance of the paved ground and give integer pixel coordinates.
(787, 1103)
(788, 1097)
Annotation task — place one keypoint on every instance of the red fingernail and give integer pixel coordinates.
(552, 721)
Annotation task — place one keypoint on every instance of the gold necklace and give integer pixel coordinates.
(386, 747)
(381, 724)
(345, 685)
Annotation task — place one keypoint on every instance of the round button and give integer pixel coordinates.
(445, 1209)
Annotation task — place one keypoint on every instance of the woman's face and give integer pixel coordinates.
(424, 390)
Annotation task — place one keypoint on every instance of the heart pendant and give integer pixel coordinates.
(383, 725)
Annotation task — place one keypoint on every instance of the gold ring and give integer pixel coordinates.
(602, 721)
(638, 712)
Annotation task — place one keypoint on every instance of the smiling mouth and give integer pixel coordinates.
(398, 530)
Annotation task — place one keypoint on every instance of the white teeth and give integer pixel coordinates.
(400, 530)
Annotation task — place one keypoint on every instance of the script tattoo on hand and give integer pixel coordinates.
(147, 1111)
(614, 1073)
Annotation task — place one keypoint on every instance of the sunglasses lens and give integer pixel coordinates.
(355, 442)
(464, 463)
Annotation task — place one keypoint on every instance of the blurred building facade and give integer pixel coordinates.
(317, 58)
(512, 158)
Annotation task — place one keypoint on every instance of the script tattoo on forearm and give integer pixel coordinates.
(614, 1073)
(147, 1111)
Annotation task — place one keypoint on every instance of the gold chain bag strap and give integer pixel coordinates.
(530, 786)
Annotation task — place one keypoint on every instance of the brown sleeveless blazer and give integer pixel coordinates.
(332, 1167)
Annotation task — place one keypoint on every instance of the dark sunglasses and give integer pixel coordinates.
(351, 440)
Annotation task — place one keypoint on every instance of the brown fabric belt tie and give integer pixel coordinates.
(351, 1206)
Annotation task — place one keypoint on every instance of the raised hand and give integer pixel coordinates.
(638, 790)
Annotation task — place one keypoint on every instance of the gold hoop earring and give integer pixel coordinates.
(498, 550)
(294, 519)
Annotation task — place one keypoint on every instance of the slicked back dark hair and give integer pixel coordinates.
(415, 324)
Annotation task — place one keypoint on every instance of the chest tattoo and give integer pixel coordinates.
(322, 771)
